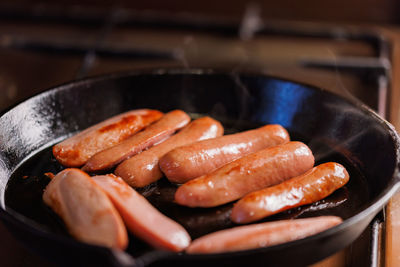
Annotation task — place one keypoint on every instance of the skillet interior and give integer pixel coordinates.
(334, 129)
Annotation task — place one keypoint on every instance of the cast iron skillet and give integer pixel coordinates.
(335, 129)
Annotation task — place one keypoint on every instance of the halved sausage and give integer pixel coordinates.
(261, 235)
(188, 162)
(253, 172)
(155, 133)
(143, 169)
(141, 217)
(76, 150)
(86, 210)
(314, 185)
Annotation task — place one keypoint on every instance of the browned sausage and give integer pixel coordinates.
(253, 172)
(159, 131)
(86, 210)
(76, 150)
(314, 185)
(143, 169)
(141, 217)
(188, 162)
(261, 235)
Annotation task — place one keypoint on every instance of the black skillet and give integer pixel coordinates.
(336, 130)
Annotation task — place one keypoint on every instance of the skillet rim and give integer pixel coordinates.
(372, 209)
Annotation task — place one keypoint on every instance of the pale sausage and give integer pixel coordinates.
(141, 218)
(261, 235)
(85, 209)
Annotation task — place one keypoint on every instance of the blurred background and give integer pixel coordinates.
(370, 11)
(350, 47)
(45, 43)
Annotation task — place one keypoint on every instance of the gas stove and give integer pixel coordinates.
(43, 48)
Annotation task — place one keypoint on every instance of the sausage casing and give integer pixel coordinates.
(314, 185)
(155, 133)
(261, 235)
(76, 150)
(85, 209)
(141, 217)
(188, 162)
(143, 169)
(253, 172)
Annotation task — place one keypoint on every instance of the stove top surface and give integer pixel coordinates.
(38, 53)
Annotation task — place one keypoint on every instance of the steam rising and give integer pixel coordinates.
(344, 116)
(251, 21)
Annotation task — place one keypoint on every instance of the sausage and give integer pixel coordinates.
(188, 162)
(76, 150)
(261, 235)
(159, 131)
(314, 185)
(141, 218)
(143, 169)
(253, 172)
(85, 209)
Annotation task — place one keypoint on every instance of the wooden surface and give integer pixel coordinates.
(392, 227)
(392, 244)
(393, 35)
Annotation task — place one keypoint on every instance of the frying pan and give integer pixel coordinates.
(336, 129)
